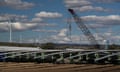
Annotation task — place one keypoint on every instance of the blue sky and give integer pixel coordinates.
(45, 20)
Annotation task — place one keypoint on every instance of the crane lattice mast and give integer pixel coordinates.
(84, 28)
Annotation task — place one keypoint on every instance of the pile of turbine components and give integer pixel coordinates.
(63, 56)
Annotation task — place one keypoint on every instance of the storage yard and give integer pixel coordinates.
(76, 56)
(70, 60)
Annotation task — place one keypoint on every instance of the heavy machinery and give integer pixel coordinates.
(84, 29)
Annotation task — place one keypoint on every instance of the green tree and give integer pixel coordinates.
(114, 46)
(48, 46)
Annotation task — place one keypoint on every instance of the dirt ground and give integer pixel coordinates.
(47, 67)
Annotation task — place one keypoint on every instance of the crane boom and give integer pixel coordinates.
(83, 28)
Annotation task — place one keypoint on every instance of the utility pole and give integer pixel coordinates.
(69, 29)
(10, 30)
(20, 38)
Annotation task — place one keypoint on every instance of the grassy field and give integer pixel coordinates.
(47, 67)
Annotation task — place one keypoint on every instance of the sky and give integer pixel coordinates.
(49, 21)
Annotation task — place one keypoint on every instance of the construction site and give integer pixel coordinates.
(59, 36)
(29, 59)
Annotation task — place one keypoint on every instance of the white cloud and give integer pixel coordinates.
(48, 31)
(90, 8)
(44, 14)
(81, 39)
(101, 18)
(94, 21)
(4, 26)
(63, 32)
(102, 21)
(23, 26)
(3, 18)
(16, 4)
(61, 37)
(106, 1)
(47, 24)
(14, 17)
(84, 5)
(37, 20)
(16, 26)
(19, 26)
(76, 3)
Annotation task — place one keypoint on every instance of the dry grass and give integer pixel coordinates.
(47, 67)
